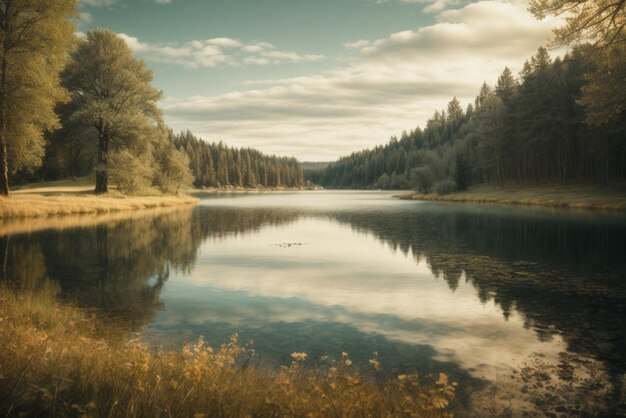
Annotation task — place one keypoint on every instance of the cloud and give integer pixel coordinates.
(215, 52)
(97, 3)
(395, 83)
(357, 44)
(103, 3)
(84, 18)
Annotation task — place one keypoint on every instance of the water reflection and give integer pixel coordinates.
(472, 290)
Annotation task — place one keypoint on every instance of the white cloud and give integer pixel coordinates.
(395, 83)
(214, 52)
(84, 17)
(103, 3)
(357, 44)
(97, 3)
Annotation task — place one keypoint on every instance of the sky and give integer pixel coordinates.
(317, 79)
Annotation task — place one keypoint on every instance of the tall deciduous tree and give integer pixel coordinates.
(112, 95)
(35, 38)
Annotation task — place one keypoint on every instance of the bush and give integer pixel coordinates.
(446, 186)
(131, 173)
(174, 172)
(423, 179)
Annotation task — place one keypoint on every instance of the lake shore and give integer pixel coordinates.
(58, 359)
(210, 191)
(596, 197)
(68, 197)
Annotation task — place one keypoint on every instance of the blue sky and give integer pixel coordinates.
(317, 79)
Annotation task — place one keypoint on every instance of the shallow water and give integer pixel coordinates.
(488, 294)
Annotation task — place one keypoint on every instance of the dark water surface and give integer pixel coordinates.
(524, 307)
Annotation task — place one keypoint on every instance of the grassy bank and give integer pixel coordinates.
(69, 197)
(564, 196)
(57, 360)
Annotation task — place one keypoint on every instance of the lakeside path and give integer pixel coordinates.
(67, 197)
(596, 197)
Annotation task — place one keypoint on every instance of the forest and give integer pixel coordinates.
(539, 127)
(217, 165)
(74, 106)
(85, 106)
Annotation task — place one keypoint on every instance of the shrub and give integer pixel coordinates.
(131, 173)
(423, 179)
(174, 172)
(446, 186)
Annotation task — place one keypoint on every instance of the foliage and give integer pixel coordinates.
(462, 173)
(35, 37)
(173, 173)
(112, 96)
(131, 173)
(57, 360)
(442, 187)
(217, 165)
(526, 130)
(423, 179)
(600, 22)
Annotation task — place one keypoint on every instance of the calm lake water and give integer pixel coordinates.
(524, 307)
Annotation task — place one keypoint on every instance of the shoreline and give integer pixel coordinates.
(585, 197)
(66, 198)
(58, 357)
(217, 190)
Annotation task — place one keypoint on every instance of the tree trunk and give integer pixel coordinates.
(4, 163)
(102, 177)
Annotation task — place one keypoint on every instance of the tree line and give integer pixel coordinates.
(561, 120)
(529, 129)
(217, 165)
(73, 107)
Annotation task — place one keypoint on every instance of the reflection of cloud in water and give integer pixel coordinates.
(343, 276)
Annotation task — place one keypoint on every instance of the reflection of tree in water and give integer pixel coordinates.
(120, 267)
(563, 274)
(228, 221)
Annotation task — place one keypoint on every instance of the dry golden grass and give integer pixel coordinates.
(565, 196)
(56, 360)
(69, 197)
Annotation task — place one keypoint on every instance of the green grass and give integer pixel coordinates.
(566, 196)
(58, 360)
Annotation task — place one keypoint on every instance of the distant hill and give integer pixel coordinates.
(314, 165)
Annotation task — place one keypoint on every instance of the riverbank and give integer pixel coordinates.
(58, 359)
(68, 197)
(563, 196)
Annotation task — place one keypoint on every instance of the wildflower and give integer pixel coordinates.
(299, 356)
(443, 380)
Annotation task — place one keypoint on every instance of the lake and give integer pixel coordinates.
(524, 307)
